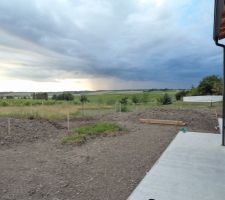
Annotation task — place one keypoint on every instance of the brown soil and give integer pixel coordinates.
(35, 165)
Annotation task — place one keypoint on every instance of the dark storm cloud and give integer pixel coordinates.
(140, 40)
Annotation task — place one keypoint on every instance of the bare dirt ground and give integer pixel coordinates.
(35, 165)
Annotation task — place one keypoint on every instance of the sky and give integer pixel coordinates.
(67, 45)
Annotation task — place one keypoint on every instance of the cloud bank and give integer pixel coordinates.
(154, 43)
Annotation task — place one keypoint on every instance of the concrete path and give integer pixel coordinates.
(220, 121)
(192, 168)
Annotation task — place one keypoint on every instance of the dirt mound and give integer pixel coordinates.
(197, 120)
(25, 130)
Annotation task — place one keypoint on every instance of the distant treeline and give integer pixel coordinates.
(40, 95)
(160, 90)
(64, 96)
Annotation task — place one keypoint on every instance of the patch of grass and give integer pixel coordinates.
(74, 138)
(80, 134)
(43, 111)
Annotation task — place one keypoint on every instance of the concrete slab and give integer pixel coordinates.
(192, 167)
(220, 121)
(205, 99)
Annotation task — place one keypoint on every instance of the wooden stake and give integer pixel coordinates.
(68, 122)
(9, 126)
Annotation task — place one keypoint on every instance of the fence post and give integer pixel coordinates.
(68, 122)
(9, 126)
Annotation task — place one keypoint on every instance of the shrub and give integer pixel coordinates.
(4, 103)
(124, 108)
(145, 97)
(135, 100)
(124, 102)
(27, 103)
(165, 99)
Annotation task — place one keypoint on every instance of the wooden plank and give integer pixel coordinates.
(163, 122)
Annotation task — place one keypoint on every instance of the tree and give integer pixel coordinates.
(83, 100)
(218, 88)
(210, 85)
(193, 92)
(179, 95)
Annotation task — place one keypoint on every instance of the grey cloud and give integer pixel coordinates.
(111, 38)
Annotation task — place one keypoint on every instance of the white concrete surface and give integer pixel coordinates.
(220, 121)
(191, 168)
(203, 99)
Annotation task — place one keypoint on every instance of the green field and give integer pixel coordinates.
(99, 103)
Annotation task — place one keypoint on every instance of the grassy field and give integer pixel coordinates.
(113, 97)
(100, 103)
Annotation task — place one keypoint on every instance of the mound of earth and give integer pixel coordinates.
(25, 130)
(198, 120)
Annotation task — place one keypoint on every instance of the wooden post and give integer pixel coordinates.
(98, 109)
(68, 122)
(9, 126)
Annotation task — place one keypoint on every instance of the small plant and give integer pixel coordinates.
(136, 100)
(164, 100)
